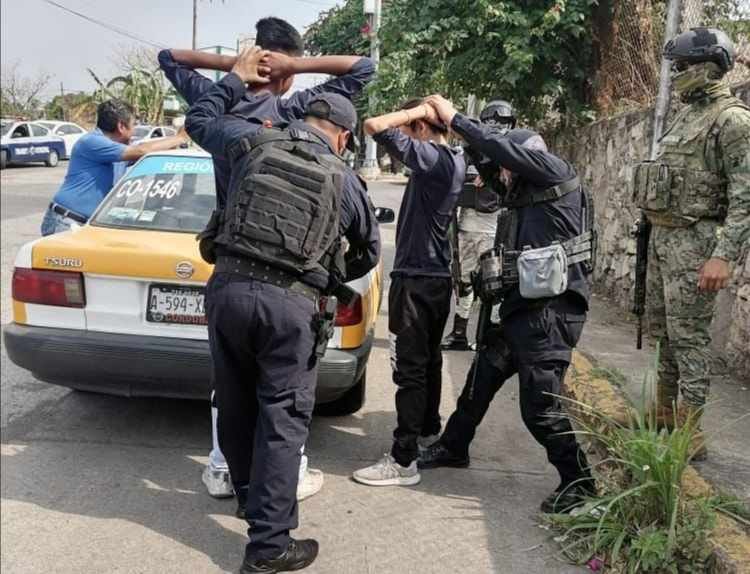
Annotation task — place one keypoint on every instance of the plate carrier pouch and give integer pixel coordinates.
(680, 184)
(482, 199)
(540, 272)
(284, 201)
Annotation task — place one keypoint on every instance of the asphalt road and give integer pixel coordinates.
(93, 483)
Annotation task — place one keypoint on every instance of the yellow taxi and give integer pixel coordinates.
(117, 305)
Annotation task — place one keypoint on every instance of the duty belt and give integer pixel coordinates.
(265, 273)
(578, 250)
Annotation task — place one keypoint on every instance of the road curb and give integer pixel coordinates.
(731, 543)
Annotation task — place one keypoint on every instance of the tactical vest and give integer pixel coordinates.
(683, 184)
(579, 249)
(284, 201)
(498, 268)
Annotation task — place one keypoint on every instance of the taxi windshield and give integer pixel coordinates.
(162, 193)
(5, 127)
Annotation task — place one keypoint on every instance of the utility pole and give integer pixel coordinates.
(62, 102)
(373, 9)
(195, 22)
(662, 99)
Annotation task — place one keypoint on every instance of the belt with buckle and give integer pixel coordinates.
(265, 273)
(59, 209)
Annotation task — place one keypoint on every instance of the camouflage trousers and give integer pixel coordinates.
(471, 244)
(679, 315)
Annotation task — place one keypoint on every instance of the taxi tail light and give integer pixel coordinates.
(349, 315)
(58, 288)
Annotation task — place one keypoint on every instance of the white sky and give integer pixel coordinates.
(45, 38)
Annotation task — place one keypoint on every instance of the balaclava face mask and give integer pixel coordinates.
(699, 80)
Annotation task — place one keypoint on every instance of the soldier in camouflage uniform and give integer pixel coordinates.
(696, 194)
(477, 221)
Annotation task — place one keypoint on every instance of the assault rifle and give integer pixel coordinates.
(641, 231)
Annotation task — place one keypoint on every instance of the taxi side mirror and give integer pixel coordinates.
(384, 215)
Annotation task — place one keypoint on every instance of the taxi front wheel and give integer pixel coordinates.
(3, 159)
(52, 159)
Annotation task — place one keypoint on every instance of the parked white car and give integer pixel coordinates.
(68, 131)
(141, 133)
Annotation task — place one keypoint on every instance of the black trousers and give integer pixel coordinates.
(262, 344)
(536, 344)
(418, 309)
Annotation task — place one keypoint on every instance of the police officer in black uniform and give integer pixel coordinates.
(278, 249)
(537, 334)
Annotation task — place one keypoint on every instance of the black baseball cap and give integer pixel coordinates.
(338, 110)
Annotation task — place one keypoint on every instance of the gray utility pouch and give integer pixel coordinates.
(543, 272)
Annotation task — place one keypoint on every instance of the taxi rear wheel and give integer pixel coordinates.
(349, 403)
(52, 159)
(3, 159)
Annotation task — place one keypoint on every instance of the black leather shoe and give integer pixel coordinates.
(566, 498)
(298, 555)
(437, 455)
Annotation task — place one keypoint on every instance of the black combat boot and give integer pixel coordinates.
(437, 455)
(568, 496)
(298, 555)
(456, 340)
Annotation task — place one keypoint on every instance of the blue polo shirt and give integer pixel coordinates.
(95, 164)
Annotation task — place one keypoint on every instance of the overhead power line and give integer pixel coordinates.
(110, 27)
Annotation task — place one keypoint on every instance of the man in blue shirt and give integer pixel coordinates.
(261, 105)
(419, 298)
(97, 161)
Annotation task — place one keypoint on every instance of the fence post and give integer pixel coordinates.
(662, 99)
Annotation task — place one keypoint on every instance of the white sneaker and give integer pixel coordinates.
(387, 472)
(425, 442)
(217, 482)
(311, 483)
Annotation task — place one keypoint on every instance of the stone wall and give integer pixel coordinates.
(604, 154)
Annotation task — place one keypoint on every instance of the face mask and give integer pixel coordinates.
(699, 77)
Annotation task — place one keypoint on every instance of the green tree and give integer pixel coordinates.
(534, 52)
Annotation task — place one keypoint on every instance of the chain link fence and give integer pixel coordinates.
(629, 37)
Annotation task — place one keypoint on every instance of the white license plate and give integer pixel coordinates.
(176, 304)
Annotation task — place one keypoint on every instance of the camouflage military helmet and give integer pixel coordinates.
(498, 112)
(701, 45)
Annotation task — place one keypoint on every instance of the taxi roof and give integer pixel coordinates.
(180, 152)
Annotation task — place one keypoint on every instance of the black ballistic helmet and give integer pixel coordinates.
(498, 112)
(701, 45)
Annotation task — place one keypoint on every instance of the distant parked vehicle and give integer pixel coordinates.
(68, 131)
(141, 133)
(28, 142)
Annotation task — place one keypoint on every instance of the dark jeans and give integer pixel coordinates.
(536, 344)
(262, 340)
(418, 309)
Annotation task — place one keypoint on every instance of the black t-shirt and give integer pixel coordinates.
(437, 176)
(541, 224)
